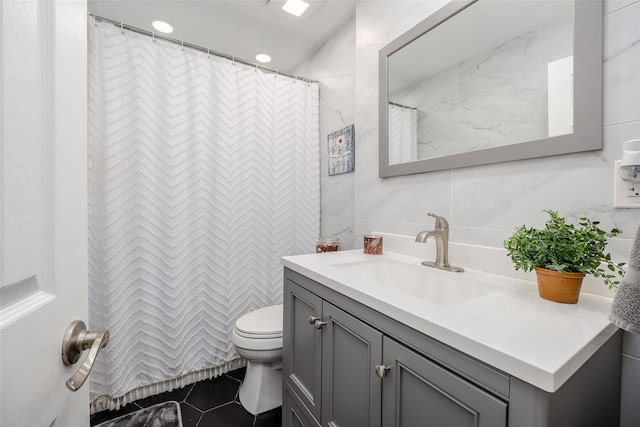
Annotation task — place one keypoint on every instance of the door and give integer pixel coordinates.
(351, 391)
(43, 208)
(418, 392)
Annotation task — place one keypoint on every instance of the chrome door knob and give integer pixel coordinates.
(312, 319)
(319, 324)
(381, 370)
(76, 340)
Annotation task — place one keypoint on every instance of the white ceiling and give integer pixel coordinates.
(240, 28)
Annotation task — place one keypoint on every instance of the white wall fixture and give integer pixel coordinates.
(626, 179)
(162, 26)
(295, 7)
(263, 57)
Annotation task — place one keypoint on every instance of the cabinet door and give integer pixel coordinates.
(418, 392)
(302, 345)
(293, 415)
(351, 392)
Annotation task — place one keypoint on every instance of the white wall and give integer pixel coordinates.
(333, 65)
(485, 203)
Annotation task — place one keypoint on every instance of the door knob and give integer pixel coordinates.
(312, 319)
(381, 370)
(76, 340)
(319, 324)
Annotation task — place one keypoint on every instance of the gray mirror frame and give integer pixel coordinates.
(588, 103)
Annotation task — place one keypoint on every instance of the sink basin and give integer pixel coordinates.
(439, 287)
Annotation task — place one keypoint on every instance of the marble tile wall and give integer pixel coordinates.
(495, 98)
(484, 203)
(496, 87)
(436, 100)
(333, 65)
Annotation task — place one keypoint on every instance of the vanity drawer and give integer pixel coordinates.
(294, 413)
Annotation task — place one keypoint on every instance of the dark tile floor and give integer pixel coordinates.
(210, 403)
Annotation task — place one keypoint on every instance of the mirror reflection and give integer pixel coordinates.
(495, 74)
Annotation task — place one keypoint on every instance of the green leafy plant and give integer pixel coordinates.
(565, 248)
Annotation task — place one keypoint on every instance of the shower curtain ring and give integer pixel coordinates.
(277, 73)
(233, 61)
(153, 37)
(208, 54)
(182, 48)
(122, 28)
(295, 80)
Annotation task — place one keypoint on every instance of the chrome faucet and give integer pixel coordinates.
(441, 234)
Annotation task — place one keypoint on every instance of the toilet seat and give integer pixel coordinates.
(259, 329)
(256, 344)
(256, 336)
(264, 322)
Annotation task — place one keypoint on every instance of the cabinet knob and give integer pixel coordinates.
(319, 324)
(312, 319)
(381, 370)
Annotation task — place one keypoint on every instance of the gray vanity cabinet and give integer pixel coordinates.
(336, 351)
(342, 389)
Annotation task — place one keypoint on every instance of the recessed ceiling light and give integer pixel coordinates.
(295, 7)
(263, 57)
(162, 26)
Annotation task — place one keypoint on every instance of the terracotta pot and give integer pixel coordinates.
(559, 287)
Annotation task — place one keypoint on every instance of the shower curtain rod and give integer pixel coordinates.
(403, 106)
(123, 26)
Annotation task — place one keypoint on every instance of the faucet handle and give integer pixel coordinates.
(441, 223)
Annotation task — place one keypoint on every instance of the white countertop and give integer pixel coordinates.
(511, 328)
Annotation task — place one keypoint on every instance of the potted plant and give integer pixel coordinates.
(562, 255)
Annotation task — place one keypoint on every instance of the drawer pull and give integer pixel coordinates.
(381, 370)
(319, 324)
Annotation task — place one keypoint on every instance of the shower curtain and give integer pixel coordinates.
(403, 134)
(202, 173)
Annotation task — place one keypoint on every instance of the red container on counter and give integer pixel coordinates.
(328, 244)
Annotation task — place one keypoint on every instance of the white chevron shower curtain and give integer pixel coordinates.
(403, 131)
(202, 174)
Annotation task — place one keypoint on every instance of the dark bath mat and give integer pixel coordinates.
(165, 414)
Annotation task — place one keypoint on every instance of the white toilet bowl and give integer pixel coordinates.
(257, 337)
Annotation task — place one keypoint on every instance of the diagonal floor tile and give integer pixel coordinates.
(209, 394)
(231, 415)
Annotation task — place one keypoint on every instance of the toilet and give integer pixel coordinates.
(257, 337)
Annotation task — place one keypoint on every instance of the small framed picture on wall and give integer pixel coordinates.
(342, 152)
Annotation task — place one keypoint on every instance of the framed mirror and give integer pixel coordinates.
(488, 81)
